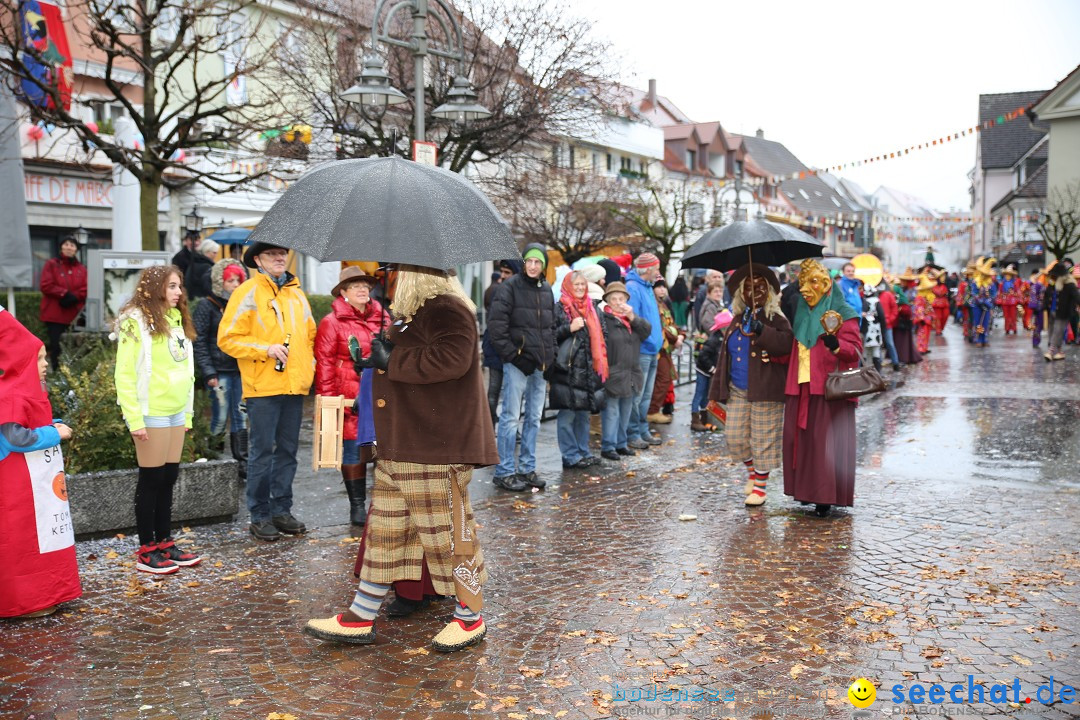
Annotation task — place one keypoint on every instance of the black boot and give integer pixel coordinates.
(822, 510)
(355, 479)
(877, 364)
(238, 445)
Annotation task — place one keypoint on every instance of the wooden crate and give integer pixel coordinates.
(329, 428)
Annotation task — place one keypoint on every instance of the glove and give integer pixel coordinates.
(756, 326)
(831, 342)
(68, 299)
(380, 353)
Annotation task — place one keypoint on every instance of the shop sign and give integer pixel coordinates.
(59, 190)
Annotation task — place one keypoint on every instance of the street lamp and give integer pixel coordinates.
(373, 88)
(193, 221)
(82, 236)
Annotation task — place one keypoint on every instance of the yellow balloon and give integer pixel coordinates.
(868, 268)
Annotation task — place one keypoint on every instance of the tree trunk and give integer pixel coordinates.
(150, 186)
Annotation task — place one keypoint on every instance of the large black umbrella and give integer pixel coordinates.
(743, 241)
(387, 210)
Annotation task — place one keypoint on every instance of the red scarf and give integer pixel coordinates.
(583, 308)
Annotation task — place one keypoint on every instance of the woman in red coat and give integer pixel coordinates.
(63, 294)
(354, 314)
(819, 434)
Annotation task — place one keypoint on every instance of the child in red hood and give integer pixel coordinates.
(37, 544)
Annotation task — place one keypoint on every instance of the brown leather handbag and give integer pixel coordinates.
(847, 384)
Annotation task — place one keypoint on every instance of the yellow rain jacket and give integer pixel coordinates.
(261, 314)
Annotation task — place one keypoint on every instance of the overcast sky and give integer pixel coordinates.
(836, 81)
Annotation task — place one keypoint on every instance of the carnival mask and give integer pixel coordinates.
(755, 291)
(814, 282)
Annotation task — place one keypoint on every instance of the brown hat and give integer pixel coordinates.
(350, 274)
(616, 287)
(759, 271)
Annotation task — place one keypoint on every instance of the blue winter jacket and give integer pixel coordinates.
(643, 303)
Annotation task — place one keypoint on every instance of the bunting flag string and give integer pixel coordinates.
(892, 155)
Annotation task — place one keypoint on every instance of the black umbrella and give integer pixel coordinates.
(388, 210)
(732, 246)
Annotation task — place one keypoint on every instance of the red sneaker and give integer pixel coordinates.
(179, 556)
(149, 559)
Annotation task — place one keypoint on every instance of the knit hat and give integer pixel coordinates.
(233, 270)
(593, 273)
(646, 260)
(614, 272)
(538, 254)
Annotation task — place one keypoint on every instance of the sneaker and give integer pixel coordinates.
(183, 558)
(638, 444)
(591, 461)
(335, 629)
(610, 455)
(458, 636)
(579, 465)
(288, 524)
(654, 439)
(513, 483)
(264, 530)
(149, 559)
(625, 451)
(403, 607)
(531, 480)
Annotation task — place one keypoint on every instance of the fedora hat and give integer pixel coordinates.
(616, 287)
(759, 271)
(256, 249)
(350, 274)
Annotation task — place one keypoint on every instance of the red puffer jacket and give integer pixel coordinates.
(59, 277)
(334, 373)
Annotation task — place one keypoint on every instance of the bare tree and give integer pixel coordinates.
(1059, 221)
(666, 217)
(569, 211)
(532, 63)
(162, 61)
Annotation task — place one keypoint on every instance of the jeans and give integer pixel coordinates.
(890, 345)
(227, 403)
(272, 443)
(701, 393)
(350, 452)
(516, 388)
(616, 419)
(573, 431)
(639, 426)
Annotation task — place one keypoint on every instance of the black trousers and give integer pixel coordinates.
(55, 330)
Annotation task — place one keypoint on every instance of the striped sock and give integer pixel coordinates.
(759, 483)
(749, 464)
(368, 599)
(464, 614)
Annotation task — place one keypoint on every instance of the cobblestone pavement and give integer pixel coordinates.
(959, 559)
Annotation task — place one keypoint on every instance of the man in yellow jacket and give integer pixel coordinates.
(268, 327)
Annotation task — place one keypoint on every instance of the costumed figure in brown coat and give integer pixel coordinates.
(819, 434)
(434, 426)
(750, 373)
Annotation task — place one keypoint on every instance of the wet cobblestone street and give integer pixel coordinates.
(959, 559)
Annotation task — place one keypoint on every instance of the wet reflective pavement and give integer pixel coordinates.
(959, 559)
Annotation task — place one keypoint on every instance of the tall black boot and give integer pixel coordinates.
(238, 444)
(355, 479)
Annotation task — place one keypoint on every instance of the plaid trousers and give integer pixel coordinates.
(755, 430)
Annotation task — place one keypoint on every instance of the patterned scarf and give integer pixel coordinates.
(583, 308)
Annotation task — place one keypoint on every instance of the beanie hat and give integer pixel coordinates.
(645, 260)
(612, 270)
(537, 253)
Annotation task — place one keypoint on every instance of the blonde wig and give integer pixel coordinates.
(772, 302)
(416, 285)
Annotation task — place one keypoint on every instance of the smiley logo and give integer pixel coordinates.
(59, 487)
(862, 693)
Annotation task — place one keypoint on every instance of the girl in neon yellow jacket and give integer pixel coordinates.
(155, 386)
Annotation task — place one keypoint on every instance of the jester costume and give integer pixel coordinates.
(1025, 304)
(982, 299)
(1008, 297)
(922, 316)
(38, 569)
(1036, 293)
(963, 301)
(940, 303)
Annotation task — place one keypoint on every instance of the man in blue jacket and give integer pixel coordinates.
(639, 281)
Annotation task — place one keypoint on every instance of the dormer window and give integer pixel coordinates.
(691, 159)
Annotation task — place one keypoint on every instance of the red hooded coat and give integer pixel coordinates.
(37, 544)
(334, 373)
